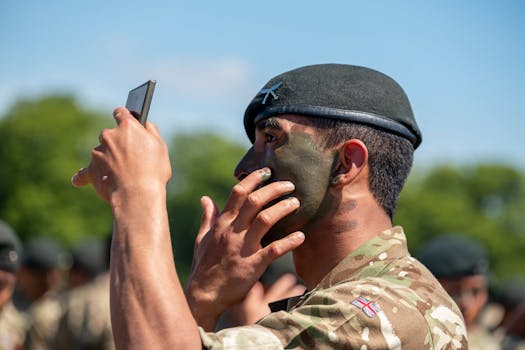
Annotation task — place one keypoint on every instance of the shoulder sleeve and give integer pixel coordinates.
(247, 337)
(365, 315)
(325, 321)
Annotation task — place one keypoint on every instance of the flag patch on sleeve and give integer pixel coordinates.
(367, 306)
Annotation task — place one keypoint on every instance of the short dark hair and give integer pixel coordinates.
(390, 156)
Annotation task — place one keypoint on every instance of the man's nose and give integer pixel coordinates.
(246, 165)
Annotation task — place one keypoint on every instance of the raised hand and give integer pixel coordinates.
(229, 257)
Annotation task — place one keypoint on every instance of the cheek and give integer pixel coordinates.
(308, 169)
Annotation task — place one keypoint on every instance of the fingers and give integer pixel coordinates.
(241, 191)
(281, 247)
(209, 214)
(256, 200)
(265, 219)
(121, 113)
(152, 128)
(298, 289)
(81, 178)
(256, 293)
(285, 287)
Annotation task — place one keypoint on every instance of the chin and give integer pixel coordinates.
(281, 229)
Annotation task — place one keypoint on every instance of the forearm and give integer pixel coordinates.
(148, 307)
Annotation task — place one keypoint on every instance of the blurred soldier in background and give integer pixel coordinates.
(89, 260)
(511, 296)
(41, 283)
(86, 320)
(13, 325)
(515, 330)
(461, 266)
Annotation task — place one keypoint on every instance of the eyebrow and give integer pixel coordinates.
(271, 123)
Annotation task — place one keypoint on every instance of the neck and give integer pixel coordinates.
(351, 223)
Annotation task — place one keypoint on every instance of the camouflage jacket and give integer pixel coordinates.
(86, 322)
(44, 315)
(378, 297)
(13, 327)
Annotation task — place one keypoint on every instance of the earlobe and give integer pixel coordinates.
(353, 156)
(334, 180)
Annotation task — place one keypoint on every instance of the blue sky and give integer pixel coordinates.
(460, 62)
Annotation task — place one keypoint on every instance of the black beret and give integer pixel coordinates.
(45, 253)
(10, 248)
(337, 91)
(452, 256)
(90, 255)
(512, 292)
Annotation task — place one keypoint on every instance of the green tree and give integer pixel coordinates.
(484, 201)
(44, 141)
(202, 164)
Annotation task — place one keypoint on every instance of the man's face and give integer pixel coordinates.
(290, 150)
(470, 294)
(7, 286)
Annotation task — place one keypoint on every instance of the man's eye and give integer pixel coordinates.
(269, 138)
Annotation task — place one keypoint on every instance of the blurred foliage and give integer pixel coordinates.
(484, 201)
(44, 142)
(202, 164)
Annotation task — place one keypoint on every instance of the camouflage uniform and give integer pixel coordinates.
(86, 323)
(44, 316)
(511, 342)
(480, 338)
(378, 297)
(13, 327)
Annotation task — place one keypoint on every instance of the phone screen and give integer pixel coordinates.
(139, 100)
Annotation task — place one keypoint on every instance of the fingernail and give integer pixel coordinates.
(299, 236)
(288, 185)
(294, 201)
(266, 173)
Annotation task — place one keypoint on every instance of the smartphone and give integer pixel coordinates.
(139, 100)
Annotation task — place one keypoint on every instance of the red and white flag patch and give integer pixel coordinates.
(367, 306)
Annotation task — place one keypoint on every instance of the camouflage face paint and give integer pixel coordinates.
(300, 161)
(293, 154)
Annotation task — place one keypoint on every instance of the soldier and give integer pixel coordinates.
(13, 325)
(43, 267)
(461, 266)
(511, 296)
(332, 147)
(88, 261)
(85, 323)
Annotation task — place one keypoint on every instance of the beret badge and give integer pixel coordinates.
(269, 92)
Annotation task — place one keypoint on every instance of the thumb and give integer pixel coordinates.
(81, 178)
(209, 214)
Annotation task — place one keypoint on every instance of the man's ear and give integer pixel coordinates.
(353, 156)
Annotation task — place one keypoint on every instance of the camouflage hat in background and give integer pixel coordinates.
(45, 253)
(511, 293)
(10, 248)
(337, 91)
(451, 256)
(90, 255)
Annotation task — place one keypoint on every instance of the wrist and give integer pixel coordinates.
(204, 307)
(137, 194)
